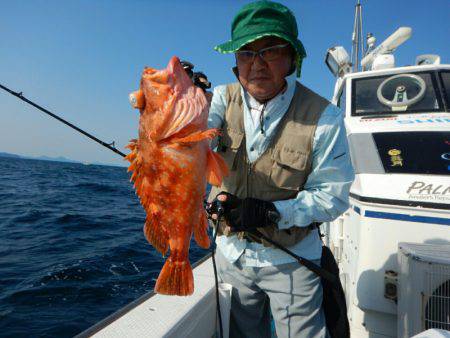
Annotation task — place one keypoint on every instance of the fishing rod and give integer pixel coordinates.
(198, 78)
(318, 270)
(216, 279)
(220, 212)
(92, 137)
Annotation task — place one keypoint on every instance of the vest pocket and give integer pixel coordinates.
(288, 168)
(228, 147)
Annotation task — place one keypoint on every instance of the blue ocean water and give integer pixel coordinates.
(72, 250)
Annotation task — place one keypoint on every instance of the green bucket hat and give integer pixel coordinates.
(264, 18)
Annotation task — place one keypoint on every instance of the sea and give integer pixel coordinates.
(72, 249)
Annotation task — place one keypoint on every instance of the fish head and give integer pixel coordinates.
(172, 102)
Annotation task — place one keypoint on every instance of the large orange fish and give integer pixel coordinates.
(171, 163)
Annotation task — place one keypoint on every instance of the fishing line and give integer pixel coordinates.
(200, 80)
(20, 95)
(216, 279)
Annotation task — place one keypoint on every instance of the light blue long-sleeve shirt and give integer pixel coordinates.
(325, 194)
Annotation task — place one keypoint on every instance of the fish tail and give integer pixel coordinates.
(200, 231)
(175, 278)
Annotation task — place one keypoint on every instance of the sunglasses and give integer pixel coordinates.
(267, 54)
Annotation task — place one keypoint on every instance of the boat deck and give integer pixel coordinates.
(154, 315)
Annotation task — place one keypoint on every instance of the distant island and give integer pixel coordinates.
(47, 158)
(10, 155)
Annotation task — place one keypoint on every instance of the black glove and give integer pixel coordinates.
(244, 214)
(252, 213)
(221, 208)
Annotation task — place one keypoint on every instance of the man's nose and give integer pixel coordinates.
(258, 63)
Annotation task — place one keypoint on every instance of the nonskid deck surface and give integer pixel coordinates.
(155, 315)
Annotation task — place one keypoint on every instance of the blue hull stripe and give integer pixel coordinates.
(407, 218)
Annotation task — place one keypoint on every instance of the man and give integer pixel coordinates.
(289, 166)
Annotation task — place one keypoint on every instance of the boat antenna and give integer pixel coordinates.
(357, 37)
(110, 146)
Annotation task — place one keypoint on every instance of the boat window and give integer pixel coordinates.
(414, 152)
(446, 81)
(364, 154)
(399, 93)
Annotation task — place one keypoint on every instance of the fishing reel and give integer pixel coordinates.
(198, 78)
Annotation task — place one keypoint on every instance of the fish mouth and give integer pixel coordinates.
(174, 65)
(176, 70)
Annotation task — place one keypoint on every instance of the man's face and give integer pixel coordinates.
(265, 79)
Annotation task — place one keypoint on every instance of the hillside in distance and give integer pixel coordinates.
(46, 158)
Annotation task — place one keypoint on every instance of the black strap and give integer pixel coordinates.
(322, 273)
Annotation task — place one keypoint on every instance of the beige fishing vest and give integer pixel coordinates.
(281, 171)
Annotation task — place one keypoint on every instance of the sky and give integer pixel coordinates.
(81, 58)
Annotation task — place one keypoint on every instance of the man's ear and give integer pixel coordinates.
(235, 71)
(293, 60)
(293, 66)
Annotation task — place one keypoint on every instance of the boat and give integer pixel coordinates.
(154, 315)
(398, 127)
(393, 243)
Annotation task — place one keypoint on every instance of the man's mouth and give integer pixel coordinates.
(259, 78)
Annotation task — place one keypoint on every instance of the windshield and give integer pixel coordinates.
(446, 82)
(411, 92)
(414, 152)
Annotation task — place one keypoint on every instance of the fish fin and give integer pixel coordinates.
(131, 157)
(132, 145)
(216, 168)
(175, 278)
(200, 230)
(196, 137)
(156, 235)
(183, 108)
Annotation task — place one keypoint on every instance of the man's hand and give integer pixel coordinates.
(222, 204)
(252, 213)
(243, 214)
